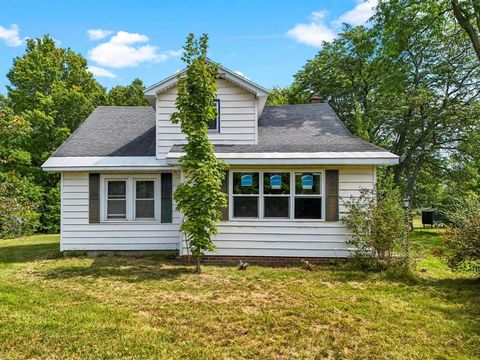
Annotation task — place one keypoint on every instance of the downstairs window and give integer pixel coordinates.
(277, 195)
(130, 197)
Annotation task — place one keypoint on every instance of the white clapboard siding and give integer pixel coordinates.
(295, 238)
(78, 234)
(237, 118)
(235, 238)
(351, 181)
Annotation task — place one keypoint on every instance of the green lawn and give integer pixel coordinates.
(55, 307)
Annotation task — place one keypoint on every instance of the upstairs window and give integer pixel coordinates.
(214, 125)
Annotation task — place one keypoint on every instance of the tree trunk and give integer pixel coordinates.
(198, 270)
(467, 26)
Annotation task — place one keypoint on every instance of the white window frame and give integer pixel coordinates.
(130, 197)
(289, 195)
(155, 199)
(261, 195)
(321, 195)
(106, 199)
(232, 196)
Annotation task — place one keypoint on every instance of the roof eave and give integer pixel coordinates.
(230, 75)
(320, 158)
(105, 163)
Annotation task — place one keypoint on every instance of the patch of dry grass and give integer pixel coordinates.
(55, 307)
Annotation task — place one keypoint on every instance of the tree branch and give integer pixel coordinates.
(467, 26)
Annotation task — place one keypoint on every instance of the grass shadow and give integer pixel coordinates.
(29, 252)
(126, 269)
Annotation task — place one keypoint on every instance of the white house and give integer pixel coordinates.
(291, 167)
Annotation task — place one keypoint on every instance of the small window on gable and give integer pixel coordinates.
(214, 125)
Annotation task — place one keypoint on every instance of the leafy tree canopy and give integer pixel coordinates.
(408, 82)
(53, 90)
(131, 95)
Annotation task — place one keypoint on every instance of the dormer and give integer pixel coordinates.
(240, 104)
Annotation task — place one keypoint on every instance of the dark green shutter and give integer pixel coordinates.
(93, 198)
(166, 201)
(331, 180)
(225, 191)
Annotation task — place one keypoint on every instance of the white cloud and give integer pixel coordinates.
(359, 15)
(120, 51)
(318, 15)
(101, 72)
(11, 36)
(125, 38)
(97, 34)
(313, 33)
(318, 31)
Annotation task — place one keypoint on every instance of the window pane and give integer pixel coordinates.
(116, 209)
(145, 209)
(276, 183)
(276, 206)
(117, 189)
(245, 206)
(245, 183)
(213, 125)
(308, 183)
(145, 189)
(308, 208)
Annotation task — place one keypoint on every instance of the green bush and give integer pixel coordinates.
(18, 216)
(462, 236)
(379, 233)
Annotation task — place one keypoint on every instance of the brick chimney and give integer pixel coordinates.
(315, 99)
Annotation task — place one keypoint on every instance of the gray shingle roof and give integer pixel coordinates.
(113, 131)
(300, 128)
(130, 131)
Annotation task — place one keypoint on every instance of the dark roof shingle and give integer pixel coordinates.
(113, 131)
(130, 131)
(300, 128)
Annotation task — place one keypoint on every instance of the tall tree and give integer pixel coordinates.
(50, 94)
(130, 95)
(347, 73)
(15, 133)
(52, 89)
(433, 77)
(408, 83)
(199, 197)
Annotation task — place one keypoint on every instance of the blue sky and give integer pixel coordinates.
(267, 41)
